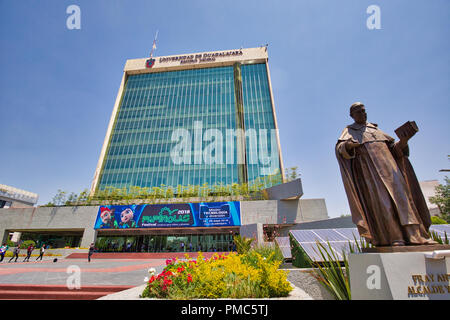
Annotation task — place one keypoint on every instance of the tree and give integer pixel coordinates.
(71, 199)
(442, 199)
(291, 173)
(60, 198)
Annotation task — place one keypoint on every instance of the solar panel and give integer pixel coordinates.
(285, 247)
(330, 235)
(311, 250)
(304, 235)
(441, 229)
(286, 251)
(339, 239)
(282, 241)
(349, 233)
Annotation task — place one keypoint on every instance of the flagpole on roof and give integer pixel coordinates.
(154, 44)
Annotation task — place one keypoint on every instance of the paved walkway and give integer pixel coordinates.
(97, 272)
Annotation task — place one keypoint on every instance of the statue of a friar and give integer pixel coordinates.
(383, 192)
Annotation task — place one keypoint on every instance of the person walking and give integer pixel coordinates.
(3, 250)
(91, 251)
(41, 252)
(29, 251)
(16, 252)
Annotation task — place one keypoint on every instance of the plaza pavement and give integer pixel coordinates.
(97, 272)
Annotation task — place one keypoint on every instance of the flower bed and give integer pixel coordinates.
(223, 276)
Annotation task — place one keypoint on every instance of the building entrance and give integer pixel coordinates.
(166, 243)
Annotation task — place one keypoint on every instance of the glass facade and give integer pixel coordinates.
(54, 239)
(262, 158)
(166, 243)
(154, 105)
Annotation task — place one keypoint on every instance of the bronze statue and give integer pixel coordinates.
(385, 198)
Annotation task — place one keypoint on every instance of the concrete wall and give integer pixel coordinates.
(428, 190)
(283, 211)
(254, 230)
(258, 211)
(312, 209)
(50, 218)
(344, 222)
(288, 190)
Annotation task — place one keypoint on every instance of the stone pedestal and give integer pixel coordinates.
(399, 275)
(422, 248)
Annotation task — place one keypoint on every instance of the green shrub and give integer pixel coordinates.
(299, 257)
(26, 243)
(272, 254)
(243, 244)
(436, 237)
(437, 220)
(330, 273)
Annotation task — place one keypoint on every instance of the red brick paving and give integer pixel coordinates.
(56, 292)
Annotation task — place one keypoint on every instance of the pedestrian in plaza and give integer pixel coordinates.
(190, 246)
(41, 252)
(15, 253)
(91, 251)
(3, 250)
(29, 251)
(182, 246)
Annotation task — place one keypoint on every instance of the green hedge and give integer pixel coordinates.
(26, 243)
(437, 220)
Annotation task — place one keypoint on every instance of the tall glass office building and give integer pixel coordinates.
(192, 119)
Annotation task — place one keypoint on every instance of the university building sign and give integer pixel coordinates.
(200, 58)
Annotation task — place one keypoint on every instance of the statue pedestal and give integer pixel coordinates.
(422, 248)
(400, 275)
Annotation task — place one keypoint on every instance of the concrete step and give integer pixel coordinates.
(56, 292)
(50, 295)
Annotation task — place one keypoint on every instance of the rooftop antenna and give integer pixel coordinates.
(154, 44)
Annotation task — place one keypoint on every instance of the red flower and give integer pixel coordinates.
(152, 279)
(168, 273)
(180, 269)
(189, 278)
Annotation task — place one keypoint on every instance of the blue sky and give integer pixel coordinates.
(58, 86)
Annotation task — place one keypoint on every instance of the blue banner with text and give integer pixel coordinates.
(203, 214)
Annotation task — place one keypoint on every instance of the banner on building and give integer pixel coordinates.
(204, 214)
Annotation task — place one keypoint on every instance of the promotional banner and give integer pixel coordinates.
(204, 214)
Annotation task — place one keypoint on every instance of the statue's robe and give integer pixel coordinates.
(383, 192)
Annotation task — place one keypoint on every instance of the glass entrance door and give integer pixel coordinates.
(166, 243)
